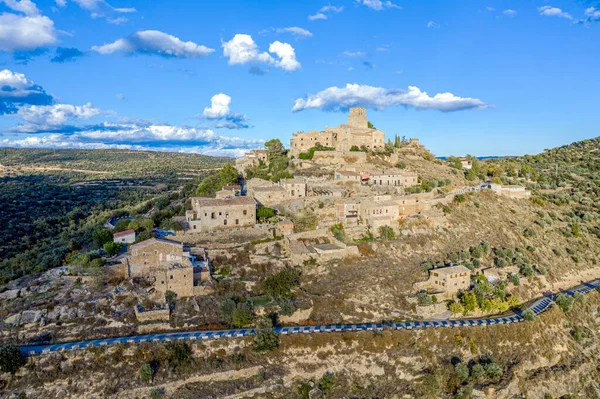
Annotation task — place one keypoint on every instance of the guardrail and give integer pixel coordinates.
(539, 306)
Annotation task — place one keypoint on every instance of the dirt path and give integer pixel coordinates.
(171, 387)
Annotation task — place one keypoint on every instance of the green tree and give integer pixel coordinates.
(242, 315)
(565, 302)
(11, 359)
(101, 236)
(122, 225)
(179, 353)
(146, 372)
(477, 373)
(469, 302)
(386, 233)
(370, 125)
(275, 149)
(227, 307)
(112, 248)
(265, 338)
(456, 307)
(280, 284)
(170, 296)
(529, 315)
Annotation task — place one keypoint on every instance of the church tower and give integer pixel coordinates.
(358, 117)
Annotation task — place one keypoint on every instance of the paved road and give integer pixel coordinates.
(539, 306)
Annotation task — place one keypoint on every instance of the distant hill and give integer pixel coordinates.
(116, 163)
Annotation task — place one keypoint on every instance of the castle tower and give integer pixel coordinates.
(358, 117)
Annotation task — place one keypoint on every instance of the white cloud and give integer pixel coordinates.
(550, 11)
(243, 50)
(61, 3)
(17, 90)
(38, 118)
(432, 24)
(341, 98)
(120, 96)
(592, 14)
(300, 32)
(219, 106)
(27, 7)
(117, 21)
(509, 13)
(154, 42)
(287, 56)
(101, 9)
(25, 32)
(324, 11)
(490, 8)
(355, 53)
(378, 5)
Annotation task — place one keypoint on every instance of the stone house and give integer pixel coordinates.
(347, 176)
(210, 214)
(267, 195)
(124, 237)
(251, 159)
(511, 191)
(285, 226)
(355, 133)
(295, 188)
(466, 163)
(446, 281)
(391, 177)
(379, 213)
(347, 212)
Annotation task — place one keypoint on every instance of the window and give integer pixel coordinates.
(213, 215)
(194, 227)
(171, 277)
(245, 212)
(225, 222)
(220, 213)
(237, 221)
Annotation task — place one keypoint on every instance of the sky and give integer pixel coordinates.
(219, 78)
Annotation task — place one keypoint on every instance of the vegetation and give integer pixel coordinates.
(280, 285)
(311, 151)
(265, 339)
(11, 359)
(215, 182)
(278, 163)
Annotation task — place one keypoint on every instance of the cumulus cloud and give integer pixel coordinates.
(592, 14)
(509, 13)
(432, 24)
(219, 110)
(26, 31)
(378, 5)
(341, 98)
(154, 42)
(550, 11)
(325, 11)
(64, 54)
(43, 118)
(243, 50)
(17, 90)
(141, 136)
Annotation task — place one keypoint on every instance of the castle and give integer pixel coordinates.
(356, 133)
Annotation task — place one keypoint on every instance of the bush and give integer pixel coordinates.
(146, 372)
(493, 370)
(157, 393)
(11, 359)
(386, 233)
(527, 271)
(280, 285)
(112, 248)
(513, 278)
(579, 297)
(326, 382)
(265, 338)
(578, 333)
(565, 302)
(461, 371)
(460, 198)
(287, 307)
(180, 354)
(424, 298)
(170, 296)
(456, 307)
(530, 232)
(338, 232)
(529, 315)
(477, 373)
(242, 315)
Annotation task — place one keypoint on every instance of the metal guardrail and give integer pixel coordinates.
(539, 306)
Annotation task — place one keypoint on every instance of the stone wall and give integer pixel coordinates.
(144, 315)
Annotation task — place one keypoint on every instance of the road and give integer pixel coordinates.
(538, 306)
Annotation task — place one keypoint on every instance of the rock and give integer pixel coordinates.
(9, 294)
(15, 319)
(42, 321)
(54, 314)
(31, 316)
(195, 305)
(315, 393)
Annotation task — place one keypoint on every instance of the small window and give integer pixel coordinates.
(194, 227)
(171, 277)
(225, 222)
(245, 212)
(237, 221)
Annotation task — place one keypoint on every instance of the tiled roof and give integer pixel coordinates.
(223, 202)
(123, 233)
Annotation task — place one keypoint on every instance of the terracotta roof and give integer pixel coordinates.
(123, 233)
(223, 202)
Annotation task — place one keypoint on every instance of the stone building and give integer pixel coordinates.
(295, 187)
(447, 281)
(391, 177)
(347, 212)
(347, 176)
(268, 195)
(466, 163)
(124, 237)
(169, 266)
(511, 191)
(251, 159)
(209, 214)
(376, 214)
(355, 133)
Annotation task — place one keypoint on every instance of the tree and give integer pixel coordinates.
(112, 248)
(227, 308)
(11, 359)
(170, 296)
(386, 233)
(265, 338)
(280, 284)
(565, 302)
(370, 125)
(424, 298)
(529, 315)
(456, 307)
(274, 149)
(146, 372)
(469, 302)
(101, 236)
(180, 353)
(242, 315)
(122, 225)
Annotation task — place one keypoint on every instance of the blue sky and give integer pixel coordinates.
(478, 77)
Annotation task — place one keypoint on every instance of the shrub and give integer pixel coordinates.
(456, 307)
(265, 338)
(493, 370)
(476, 252)
(280, 285)
(529, 315)
(578, 333)
(157, 393)
(180, 354)
(424, 298)
(542, 270)
(11, 359)
(513, 278)
(477, 372)
(461, 371)
(170, 296)
(530, 232)
(242, 315)
(579, 297)
(460, 198)
(326, 382)
(338, 232)
(565, 302)
(287, 307)
(386, 233)
(146, 372)
(112, 248)
(527, 271)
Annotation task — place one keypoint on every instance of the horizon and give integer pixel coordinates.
(500, 77)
